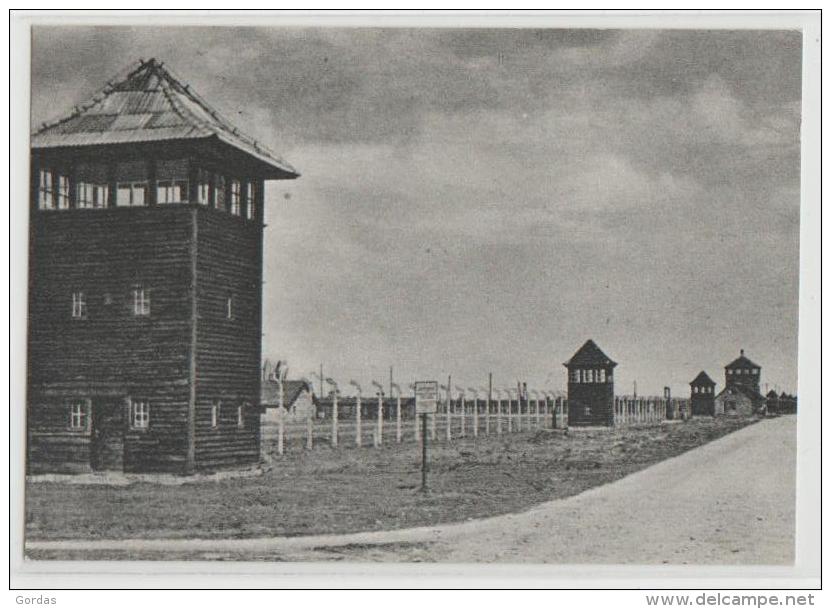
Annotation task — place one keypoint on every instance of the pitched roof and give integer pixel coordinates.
(702, 379)
(270, 392)
(742, 362)
(590, 355)
(149, 104)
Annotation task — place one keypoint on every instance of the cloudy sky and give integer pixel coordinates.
(486, 200)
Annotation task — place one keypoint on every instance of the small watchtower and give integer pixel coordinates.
(702, 395)
(591, 392)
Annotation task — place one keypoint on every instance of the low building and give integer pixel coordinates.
(739, 400)
(298, 400)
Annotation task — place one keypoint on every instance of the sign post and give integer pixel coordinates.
(426, 401)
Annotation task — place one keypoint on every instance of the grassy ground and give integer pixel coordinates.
(352, 489)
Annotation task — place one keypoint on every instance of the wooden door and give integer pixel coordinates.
(107, 448)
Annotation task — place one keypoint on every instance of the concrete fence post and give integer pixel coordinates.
(280, 432)
(398, 418)
(309, 430)
(334, 418)
(358, 421)
(379, 427)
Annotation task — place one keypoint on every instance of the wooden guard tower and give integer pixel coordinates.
(702, 395)
(591, 390)
(145, 285)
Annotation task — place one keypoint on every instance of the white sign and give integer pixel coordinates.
(426, 397)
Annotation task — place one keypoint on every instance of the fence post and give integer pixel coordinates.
(498, 412)
(537, 410)
(280, 431)
(488, 415)
(398, 418)
(309, 431)
(379, 428)
(358, 420)
(335, 417)
(462, 432)
(475, 416)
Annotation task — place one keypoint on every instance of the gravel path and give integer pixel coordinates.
(728, 502)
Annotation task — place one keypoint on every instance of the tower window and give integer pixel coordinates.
(236, 195)
(141, 301)
(575, 376)
(92, 196)
(219, 191)
(240, 417)
(250, 202)
(79, 305)
(229, 307)
(45, 190)
(203, 188)
(79, 415)
(172, 191)
(62, 193)
(139, 414)
(215, 415)
(131, 194)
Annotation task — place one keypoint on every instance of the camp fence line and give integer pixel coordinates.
(353, 421)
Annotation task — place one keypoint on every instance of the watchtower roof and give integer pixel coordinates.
(741, 362)
(149, 104)
(590, 355)
(703, 379)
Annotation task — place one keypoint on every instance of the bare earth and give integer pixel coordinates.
(728, 502)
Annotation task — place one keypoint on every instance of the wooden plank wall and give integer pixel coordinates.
(229, 263)
(104, 253)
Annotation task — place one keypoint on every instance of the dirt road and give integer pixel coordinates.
(728, 502)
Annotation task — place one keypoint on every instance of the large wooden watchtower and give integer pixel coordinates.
(145, 284)
(591, 388)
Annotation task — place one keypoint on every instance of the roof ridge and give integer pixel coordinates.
(213, 112)
(93, 100)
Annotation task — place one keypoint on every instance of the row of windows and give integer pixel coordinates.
(141, 303)
(213, 190)
(139, 417)
(742, 371)
(590, 376)
(703, 389)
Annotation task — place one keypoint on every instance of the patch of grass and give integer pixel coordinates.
(363, 489)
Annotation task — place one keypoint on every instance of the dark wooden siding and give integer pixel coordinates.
(598, 397)
(229, 264)
(104, 253)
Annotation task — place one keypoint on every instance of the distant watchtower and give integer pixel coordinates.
(742, 371)
(702, 395)
(591, 391)
(145, 285)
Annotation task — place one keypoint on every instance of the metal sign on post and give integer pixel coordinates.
(426, 403)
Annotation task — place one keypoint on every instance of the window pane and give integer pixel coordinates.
(45, 190)
(139, 191)
(122, 198)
